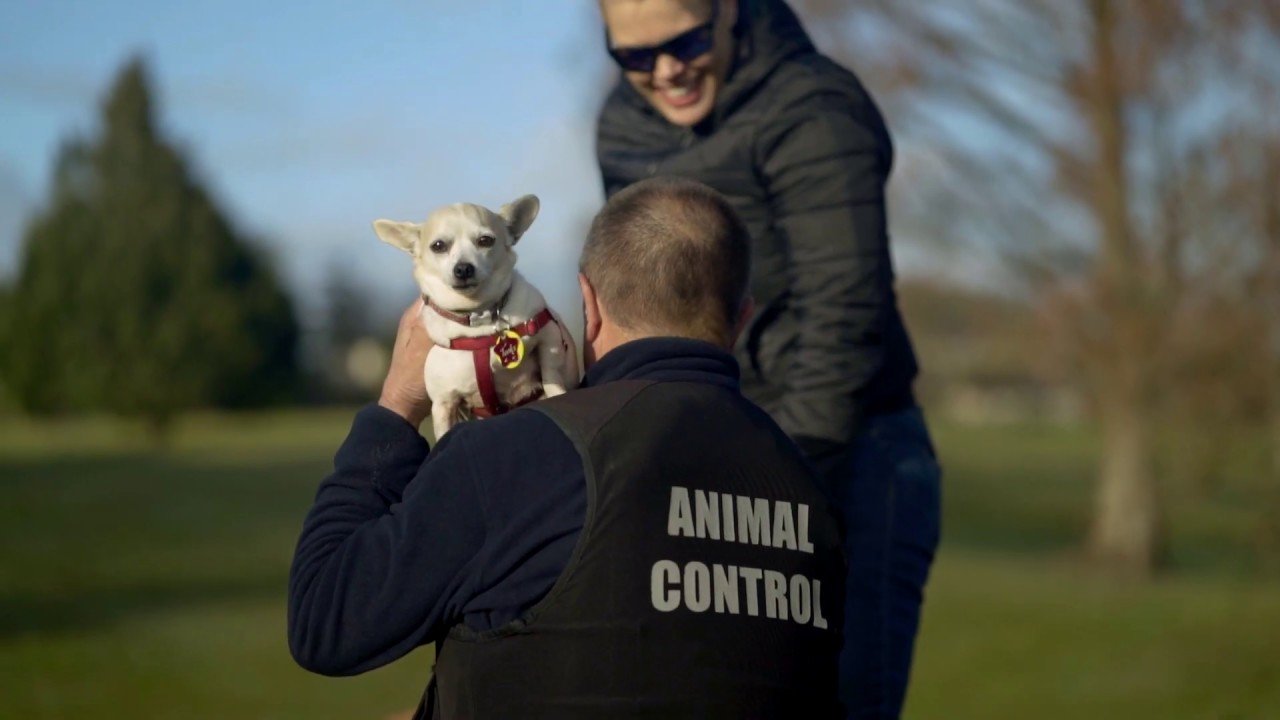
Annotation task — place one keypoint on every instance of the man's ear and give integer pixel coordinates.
(592, 320)
(519, 215)
(401, 234)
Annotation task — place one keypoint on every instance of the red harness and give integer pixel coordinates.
(501, 345)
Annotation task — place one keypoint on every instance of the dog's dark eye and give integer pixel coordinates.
(485, 241)
(439, 246)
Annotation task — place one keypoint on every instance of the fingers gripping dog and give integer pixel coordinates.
(498, 345)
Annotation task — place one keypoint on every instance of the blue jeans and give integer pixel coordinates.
(887, 487)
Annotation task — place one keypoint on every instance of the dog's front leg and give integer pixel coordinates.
(551, 360)
(443, 413)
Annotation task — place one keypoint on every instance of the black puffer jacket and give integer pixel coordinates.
(801, 151)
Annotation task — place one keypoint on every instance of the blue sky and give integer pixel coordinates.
(310, 120)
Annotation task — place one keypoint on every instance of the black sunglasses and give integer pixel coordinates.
(686, 46)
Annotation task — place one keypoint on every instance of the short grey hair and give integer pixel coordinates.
(669, 256)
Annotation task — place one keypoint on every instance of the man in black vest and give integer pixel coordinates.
(650, 545)
(732, 93)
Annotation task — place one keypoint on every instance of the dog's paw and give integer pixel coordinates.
(552, 390)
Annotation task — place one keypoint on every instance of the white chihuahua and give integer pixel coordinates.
(492, 330)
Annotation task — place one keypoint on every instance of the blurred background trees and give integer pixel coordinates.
(354, 345)
(1121, 157)
(134, 294)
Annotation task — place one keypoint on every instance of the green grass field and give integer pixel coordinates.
(147, 583)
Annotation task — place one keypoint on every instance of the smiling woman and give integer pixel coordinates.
(799, 149)
(675, 53)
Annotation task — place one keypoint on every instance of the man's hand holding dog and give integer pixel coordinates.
(404, 392)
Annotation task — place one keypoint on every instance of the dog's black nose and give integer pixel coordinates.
(464, 271)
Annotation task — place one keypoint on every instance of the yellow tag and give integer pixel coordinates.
(509, 349)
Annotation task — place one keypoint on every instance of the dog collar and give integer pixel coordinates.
(479, 317)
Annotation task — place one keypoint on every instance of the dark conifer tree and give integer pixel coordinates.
(134, 294)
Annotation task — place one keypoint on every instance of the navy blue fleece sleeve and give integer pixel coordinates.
(384, 564)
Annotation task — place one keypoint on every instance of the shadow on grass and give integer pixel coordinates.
(90, 542)
(23, 615)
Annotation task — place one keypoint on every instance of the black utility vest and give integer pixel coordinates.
(706, 583)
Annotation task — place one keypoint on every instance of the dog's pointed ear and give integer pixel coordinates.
(401, 234)
(519, 215)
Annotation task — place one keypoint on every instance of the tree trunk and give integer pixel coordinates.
(1126, 523)
(1275, 442)
(159, 424)
(1270, 222)
(1127, 527)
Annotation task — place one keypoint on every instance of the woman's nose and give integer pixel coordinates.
(667, 68)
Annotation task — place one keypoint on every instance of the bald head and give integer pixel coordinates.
(668, 256)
